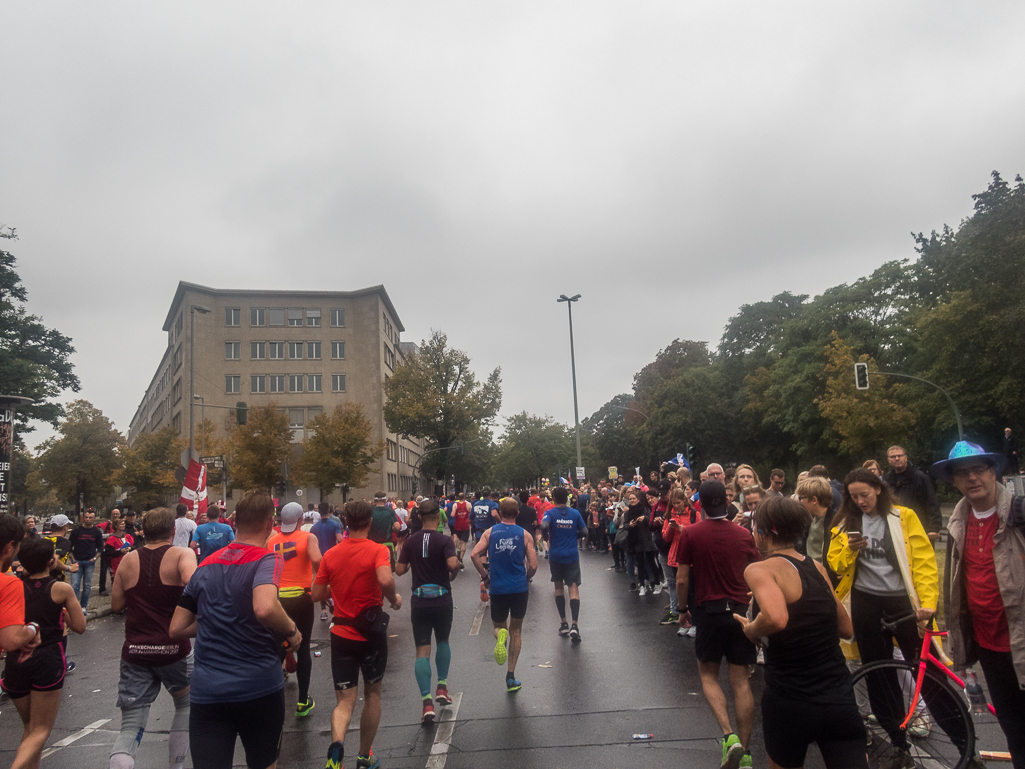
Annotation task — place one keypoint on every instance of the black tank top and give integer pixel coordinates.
(151, 604)
(803, 661)
(41, 609)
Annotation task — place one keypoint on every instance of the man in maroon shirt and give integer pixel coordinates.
(717, 551)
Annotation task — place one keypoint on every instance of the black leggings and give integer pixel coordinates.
(1008, 699)
(876, 644)
(214, 728)
(300, 609)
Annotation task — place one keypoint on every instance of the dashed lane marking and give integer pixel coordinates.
(477, 619)
(443, 737)
(84, 732)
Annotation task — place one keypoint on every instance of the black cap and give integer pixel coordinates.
(713, 499)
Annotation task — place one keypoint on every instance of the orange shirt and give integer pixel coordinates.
(351, 569)
(12, 600)
(297, 569)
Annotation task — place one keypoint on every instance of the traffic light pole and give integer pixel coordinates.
(957, 414)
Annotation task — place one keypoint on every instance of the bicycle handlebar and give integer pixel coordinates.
(892, 626)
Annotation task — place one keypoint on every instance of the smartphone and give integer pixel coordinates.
(854, 535)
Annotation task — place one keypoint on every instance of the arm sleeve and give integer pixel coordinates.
(231, 533)
(450, 548)
(12, 602)
(840, 557)
(268, 571)
(323, 575)
(188, 601)
(383, 557)
(404, 552)
(683, 554)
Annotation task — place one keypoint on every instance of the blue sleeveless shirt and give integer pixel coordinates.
(506, 554)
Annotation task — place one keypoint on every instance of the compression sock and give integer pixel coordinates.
(178, 739)
(422, 670)
(133, 726)
(560, 604)
(574, 608)
(442, 660)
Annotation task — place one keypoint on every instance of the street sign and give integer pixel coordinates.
(217, 461)
(580, 473)
(298, 492)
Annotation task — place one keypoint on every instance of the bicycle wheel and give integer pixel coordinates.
(942, 733)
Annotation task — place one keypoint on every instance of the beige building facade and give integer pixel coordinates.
(304, 351)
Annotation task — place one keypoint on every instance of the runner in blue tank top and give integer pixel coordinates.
(513, 562)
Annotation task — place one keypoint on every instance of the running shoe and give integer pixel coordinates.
(657, 590)
(760, 656)
(335, 753)
(564, 628)
(304, 708)
(367, 762)
(670, 619)
(692, 631)
(745, 761)
(682, 632)
(71, 667)
(574, 633)
(428, 714)
(442, 697)
(511, 684)
(732, 752)
(642, 590)
(919, 727)
(633, 586)
(323, 616)
(501, 653)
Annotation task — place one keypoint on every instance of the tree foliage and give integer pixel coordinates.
(258, 449)
(532, 447)
(339, 448)
(149, 466)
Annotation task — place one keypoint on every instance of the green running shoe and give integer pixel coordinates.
(367, 762)
(745, 761)
(304, 708)
(732, 752)
(501, 653)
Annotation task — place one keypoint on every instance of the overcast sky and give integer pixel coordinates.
(670, 161)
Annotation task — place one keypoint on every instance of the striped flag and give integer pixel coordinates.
(194, 488)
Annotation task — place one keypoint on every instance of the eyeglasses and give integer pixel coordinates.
(964, 471)
(892, 457)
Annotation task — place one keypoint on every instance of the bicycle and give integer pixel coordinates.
(927, 731)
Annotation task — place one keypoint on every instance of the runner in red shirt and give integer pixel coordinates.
(461, 510)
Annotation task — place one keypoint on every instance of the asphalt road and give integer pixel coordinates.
(578, 709)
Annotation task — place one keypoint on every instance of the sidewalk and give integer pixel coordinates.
(99, 605)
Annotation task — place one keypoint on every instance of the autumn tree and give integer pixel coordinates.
(150, 464)
(258, 449)
(339, 448)
(532, 447)
(82, 462)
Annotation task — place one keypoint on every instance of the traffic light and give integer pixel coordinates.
(861, 376)
(241, 412)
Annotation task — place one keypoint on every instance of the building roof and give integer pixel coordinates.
(184, 286)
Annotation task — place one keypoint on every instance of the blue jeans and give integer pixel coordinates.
(83, 577)
(643, 567)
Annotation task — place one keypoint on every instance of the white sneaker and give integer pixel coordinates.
(658, 589)
(642, 590)
(682, 632)
(760, 658)
(919, 727)
(692, 631)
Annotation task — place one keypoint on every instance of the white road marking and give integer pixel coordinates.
(477, 619)
(443, 737)
(85, 732)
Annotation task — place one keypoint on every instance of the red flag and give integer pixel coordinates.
(194, 488)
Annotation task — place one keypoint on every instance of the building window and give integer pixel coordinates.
(178, 357)
(258, 384)
(232, 350)
(389, 357)
(296, 423)
(257, 317)
(232, 383)
(313, 383)
(257, 350)
(391, 450)
(276, 350)
(312, 316)
(277, 383)
(232, 316)
(295, 350)
(338, 351)
(338, 318)
(313, 350)
(295, 316)
(276, 316)
(176, 391)
(338, 383)
(295, 383)
(177, 422)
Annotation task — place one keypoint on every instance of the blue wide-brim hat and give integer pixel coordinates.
(963, 451)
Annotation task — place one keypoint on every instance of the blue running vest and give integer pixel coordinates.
(506, 554)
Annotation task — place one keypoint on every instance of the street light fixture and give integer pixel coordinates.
(202, 310)
(627, 408)
(573, 364)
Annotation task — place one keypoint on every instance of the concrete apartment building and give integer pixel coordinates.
(305, 351)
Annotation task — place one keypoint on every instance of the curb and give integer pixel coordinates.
(99, 613)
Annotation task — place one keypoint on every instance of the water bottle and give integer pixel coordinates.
(975, 694)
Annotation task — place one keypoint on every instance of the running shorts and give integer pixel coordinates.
(718, 636)
(259, 723)
(567, 573)
(464, 536)
(42, 672)
(350, 658)
(789, 726)
(428, 620)
(509, 603)
(140, 684)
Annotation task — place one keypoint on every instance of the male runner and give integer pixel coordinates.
(460, 518)
(484, 513)
(231, 607)
(384, 524)
(213, 535)
(432, 558)
(507, 547)
(328, 532)
(564, 524)
(149, 583)
(357, 574)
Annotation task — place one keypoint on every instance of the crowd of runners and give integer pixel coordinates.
(221, 612)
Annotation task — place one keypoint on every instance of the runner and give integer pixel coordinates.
(526, 518)
(231, 607)
(384, 525)
(300, 553)
(34, 682)
(328, 532)
(485, 513)
(461, 525)
(432, 558)
(357, 574)
(718, 551)
(808, 694)
(513, 561)
(564, 525)
(149, 584)
(213, 535)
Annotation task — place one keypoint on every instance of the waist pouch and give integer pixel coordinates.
(430, 591)
(723, 606)
(372, 621)
(292, 592)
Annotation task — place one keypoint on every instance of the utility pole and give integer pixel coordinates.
(573, 365)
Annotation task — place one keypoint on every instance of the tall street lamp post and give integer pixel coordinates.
(573, 365)
(203, 310)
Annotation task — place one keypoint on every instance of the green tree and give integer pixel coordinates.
(80, 465)
(531, 448)
(35, 361)
(612, 433)
(259, 448)
(149, 466)
(339, 448)
(434, 395)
